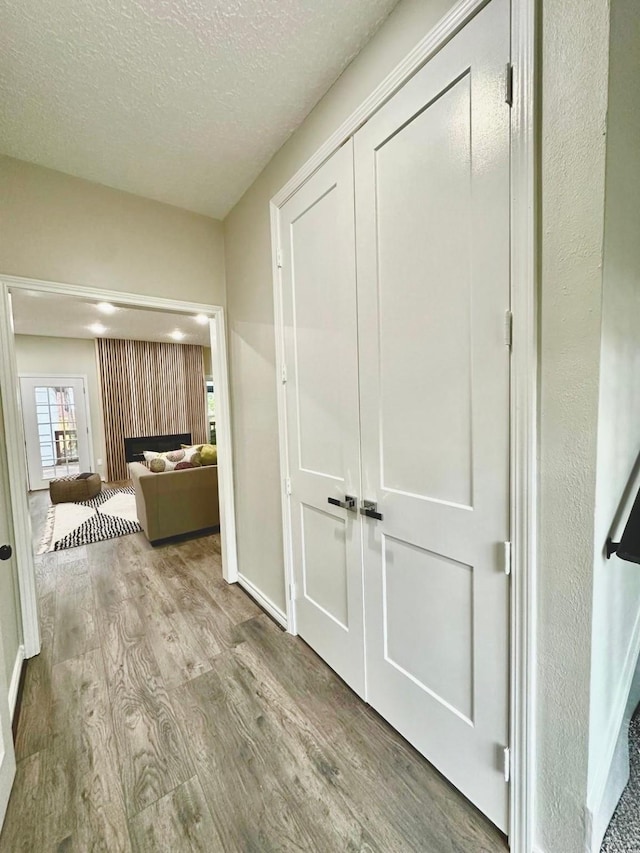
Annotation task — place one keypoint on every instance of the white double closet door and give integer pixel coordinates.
(395, 284)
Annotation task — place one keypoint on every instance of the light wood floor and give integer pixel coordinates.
(167, 712)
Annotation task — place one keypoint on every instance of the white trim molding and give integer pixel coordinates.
(281, 395)
(14, 684)
(17, 472)
(264, 602)
(18, 480)
(218, 331)
(524, 388)
(524, 426)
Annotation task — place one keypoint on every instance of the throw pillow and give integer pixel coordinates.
(159, 462)
(172, 459)
(209, 454)
(205, 451)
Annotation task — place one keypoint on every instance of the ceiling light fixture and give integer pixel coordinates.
(106, 307)
(202, 319)
(177, 335)
(97, 328)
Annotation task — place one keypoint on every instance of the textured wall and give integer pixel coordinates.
(616, 599)
(250, 297)
(574, 99)
(73, 356)
(64, 229)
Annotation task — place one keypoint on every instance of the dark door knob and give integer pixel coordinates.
(5, 552)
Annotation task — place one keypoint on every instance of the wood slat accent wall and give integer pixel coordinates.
(150, 389)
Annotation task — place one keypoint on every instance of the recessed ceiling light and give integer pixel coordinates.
(202, 319)
(106, 307)
(177, 335)
(97, 328)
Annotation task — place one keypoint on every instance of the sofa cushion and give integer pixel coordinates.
(172, 459)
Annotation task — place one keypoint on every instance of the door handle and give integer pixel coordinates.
(370, 509)
(349, 503)
(5, 552)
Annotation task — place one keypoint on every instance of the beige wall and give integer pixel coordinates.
(616, 596)
(250, 300)
(72, 356)
(64, 229)
(208, 366)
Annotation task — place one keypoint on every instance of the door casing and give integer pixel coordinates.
(524, 373)
(16, 462)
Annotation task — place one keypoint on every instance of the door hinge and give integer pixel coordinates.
(507, 558)
(508, 84)
(287, 485)
(279, 258)
(292, 592)
(507, 763)
(283, 374)
(508, 328)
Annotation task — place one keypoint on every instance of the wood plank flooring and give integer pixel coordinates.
(167, 712)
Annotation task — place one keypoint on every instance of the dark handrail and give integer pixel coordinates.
(628, 548)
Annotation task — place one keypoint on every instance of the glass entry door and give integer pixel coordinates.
(56, 428)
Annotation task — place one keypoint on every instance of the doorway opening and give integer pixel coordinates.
(62, 398)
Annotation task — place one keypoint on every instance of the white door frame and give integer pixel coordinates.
(87, 408)
(14, 429)
(524, 373)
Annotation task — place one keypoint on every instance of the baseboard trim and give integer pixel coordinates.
(264, 602)
(597, 789)
(14, 684)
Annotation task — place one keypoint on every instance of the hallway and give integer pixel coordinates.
(167, 712)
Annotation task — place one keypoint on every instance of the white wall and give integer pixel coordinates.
(250, 302)
(74, 356)
(573, 112)
(65, 229)
(616, 585)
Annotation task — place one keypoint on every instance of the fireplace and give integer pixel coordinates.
(134, 447)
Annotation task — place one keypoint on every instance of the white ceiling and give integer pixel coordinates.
(36, 313)
(182, 101)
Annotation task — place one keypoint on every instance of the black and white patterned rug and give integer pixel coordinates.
(111, 513)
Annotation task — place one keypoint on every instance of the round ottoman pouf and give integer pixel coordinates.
(73, 489)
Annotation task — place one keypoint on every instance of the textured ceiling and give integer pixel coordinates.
(52, 315)
(183, 101)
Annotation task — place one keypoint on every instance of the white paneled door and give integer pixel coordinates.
(56, 427)
(407, 409)
(320, 322)
(432, 214)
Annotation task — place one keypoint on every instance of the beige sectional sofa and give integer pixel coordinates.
(175, 502)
